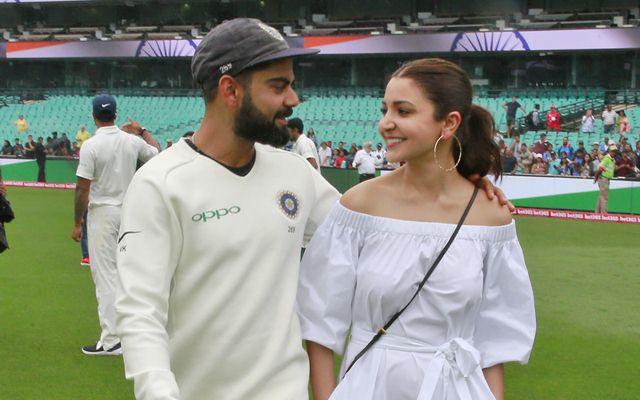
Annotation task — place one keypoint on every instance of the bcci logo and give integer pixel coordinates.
(289, 204)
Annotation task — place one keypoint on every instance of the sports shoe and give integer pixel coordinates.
(85, 261)
(98, 350)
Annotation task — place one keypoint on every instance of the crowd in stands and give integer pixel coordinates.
(540, 158)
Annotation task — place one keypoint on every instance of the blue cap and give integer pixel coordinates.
(104, 105)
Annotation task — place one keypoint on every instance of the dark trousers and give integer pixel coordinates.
(366, 177)
(41, 177)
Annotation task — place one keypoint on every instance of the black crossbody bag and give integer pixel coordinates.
(383, 330)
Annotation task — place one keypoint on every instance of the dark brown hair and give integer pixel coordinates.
(448, 87)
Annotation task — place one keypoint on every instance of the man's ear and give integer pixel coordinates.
(230, 91)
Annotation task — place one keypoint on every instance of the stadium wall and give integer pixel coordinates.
(541, 192)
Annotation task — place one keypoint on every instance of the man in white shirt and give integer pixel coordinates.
(325, 154)
(302, 145)
(609, 119)
(365, 162)
(379, 156)
(211, 235)
(107, 165)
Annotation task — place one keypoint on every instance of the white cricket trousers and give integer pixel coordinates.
(103, 223)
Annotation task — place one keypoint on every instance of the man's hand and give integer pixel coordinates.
(492, 191)
(132, 127)
(76, 234)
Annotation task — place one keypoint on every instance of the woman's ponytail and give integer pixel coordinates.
(480, 153)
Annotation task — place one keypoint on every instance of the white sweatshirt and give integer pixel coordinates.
(208, 266)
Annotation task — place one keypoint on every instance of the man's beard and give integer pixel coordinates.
(251, 124)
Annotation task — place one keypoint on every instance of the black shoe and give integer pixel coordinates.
(98, 350)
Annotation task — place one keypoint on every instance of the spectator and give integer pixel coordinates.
(546, 156)
(351, 156)
(364, 160)
(625, 168)
(311, 134)
(29, 148)
(603, 175)
(595, 149)
(325, 154)
(511, 109)
(22, 125)
(589, 166)
(18, 148)
(579, 156)
(553, 119)
(509, 162)
(553, 165)
(587, 122)
(564, 168)
(515, 143)
(541, 145)
(502, 146)
(339, 158)
(380, 155)
(539, 167)
(64, 147)
(637, 153)
(7, 149)
(341, 149)
(625, 127)
(608, 120)
(41, 157)
(605, 145)
(525, 158)
(566, 147)
(533, 119)
(82, 135)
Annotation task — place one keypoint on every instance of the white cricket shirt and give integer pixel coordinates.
(108, 160)
(307, 149)
(208, 266)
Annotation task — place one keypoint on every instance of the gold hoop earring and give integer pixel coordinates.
(435, 154)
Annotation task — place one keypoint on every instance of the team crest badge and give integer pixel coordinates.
(289, 204)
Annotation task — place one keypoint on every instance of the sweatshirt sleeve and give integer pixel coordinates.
(148, 250)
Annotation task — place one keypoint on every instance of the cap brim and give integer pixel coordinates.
(287, 53)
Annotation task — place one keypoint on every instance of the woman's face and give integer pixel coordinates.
(407, 124)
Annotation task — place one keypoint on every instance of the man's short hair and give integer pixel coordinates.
(296, 123)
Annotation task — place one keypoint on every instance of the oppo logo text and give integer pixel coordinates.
(214, 214)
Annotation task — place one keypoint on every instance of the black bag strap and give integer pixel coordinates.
(383, 330)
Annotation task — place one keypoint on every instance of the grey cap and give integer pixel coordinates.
(236, 45)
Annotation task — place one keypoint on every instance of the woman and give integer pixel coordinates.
(365, 261)
(7, 149)
(339, 159)
(565, 168)
(625, 127)
(539, 166)
(589, 169)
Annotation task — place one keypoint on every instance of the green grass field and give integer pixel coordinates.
(586, 279)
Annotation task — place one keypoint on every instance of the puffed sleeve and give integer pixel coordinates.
(506, 323)
(327, 282)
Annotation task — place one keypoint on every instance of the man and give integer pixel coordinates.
(553, 164)
(325, 153)
(30, 148)
(18, 148)
(511, 109)
(107, 164)
(509, 162)
(40, 153)
(603, 175)
(211, 235)
(553, 119)
(609, 119)
(365, 162)
(515, 143)
(82, 135)
(21, 124)
(379, 156)
(541, 145)
(587, 122)
(566, 147)
(533, 119)
(302, 145)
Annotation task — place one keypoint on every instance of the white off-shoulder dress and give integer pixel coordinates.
(475, 311)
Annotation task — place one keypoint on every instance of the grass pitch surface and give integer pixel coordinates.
(586, 279)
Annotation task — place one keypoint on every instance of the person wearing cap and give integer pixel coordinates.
(106, 166)
(603, 175)
(302, 145)
(553, 119)
(208, 280)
